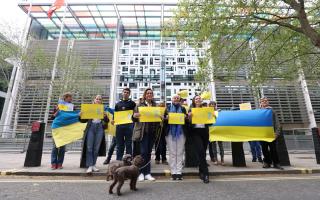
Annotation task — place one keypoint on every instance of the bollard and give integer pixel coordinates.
(282, 150)
(34, 152)
(238, 159)
(316, 141)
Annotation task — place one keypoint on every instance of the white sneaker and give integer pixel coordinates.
(89, 170)
(148, 177)
(95, 169)
(141, 178)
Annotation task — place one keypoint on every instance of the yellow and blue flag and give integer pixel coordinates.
(66, 128)
(243, 125)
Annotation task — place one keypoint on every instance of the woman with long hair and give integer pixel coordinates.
(145, 134)
(200, 135)
(93, 140)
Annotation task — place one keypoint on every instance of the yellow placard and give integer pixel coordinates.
(123, 117)
(92, 111)
(176, 118)
(63, 107)
(111, 130)
(206, 95)
(245, 106)
(183, 94)
(203, 115)
(149, 114)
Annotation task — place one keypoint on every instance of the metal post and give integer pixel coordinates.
(54, 69)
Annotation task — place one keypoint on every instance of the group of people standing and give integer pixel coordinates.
(139, 138)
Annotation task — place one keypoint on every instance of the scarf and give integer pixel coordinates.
(175, 129)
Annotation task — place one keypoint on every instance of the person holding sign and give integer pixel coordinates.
(176, 115)
(200, 135)
(94, 139)
(145, 134)
(269, 149)
(124, 131)
(57, 154)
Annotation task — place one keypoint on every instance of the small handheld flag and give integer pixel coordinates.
(56, 5)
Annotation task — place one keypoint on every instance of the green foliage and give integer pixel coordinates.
(260, 39)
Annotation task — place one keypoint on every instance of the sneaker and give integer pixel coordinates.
(148, 177)
(215, 162)
(106, 162)
(141, 178)
(95, 169)
(173, 177)
(254, 160)
(260, 160)
(59, 166)
(222, 161)
(277, 166)
(89, 170)
(206, 179)
(53, 166)
(179, 177)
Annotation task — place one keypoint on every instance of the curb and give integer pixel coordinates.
(166, 174)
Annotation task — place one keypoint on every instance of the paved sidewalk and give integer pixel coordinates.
(12, 164)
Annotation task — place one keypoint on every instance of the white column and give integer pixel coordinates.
(306, 96)
(114, 75)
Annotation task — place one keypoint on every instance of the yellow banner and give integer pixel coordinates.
(123, 117)
(241, 133)
(149, 114)
(111, 130)
(245, 106)
(176, 118)
(203, 115)
(92, 111)
(68, 134)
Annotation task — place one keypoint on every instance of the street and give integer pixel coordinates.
(282, 187)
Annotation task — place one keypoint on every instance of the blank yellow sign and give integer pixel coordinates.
(123, 117)
(245, 106)
(176, 118)
(92, 111)
(149, 114)
(203, 115)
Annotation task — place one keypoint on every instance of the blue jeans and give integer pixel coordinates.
(57, 154)
(146, 146)
(124, 139)
(255, 149)
(94, 138)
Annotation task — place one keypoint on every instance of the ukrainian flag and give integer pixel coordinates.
(243, 125)
(66, 128)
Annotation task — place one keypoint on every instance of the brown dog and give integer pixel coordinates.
(114, 165)
(127, 172)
